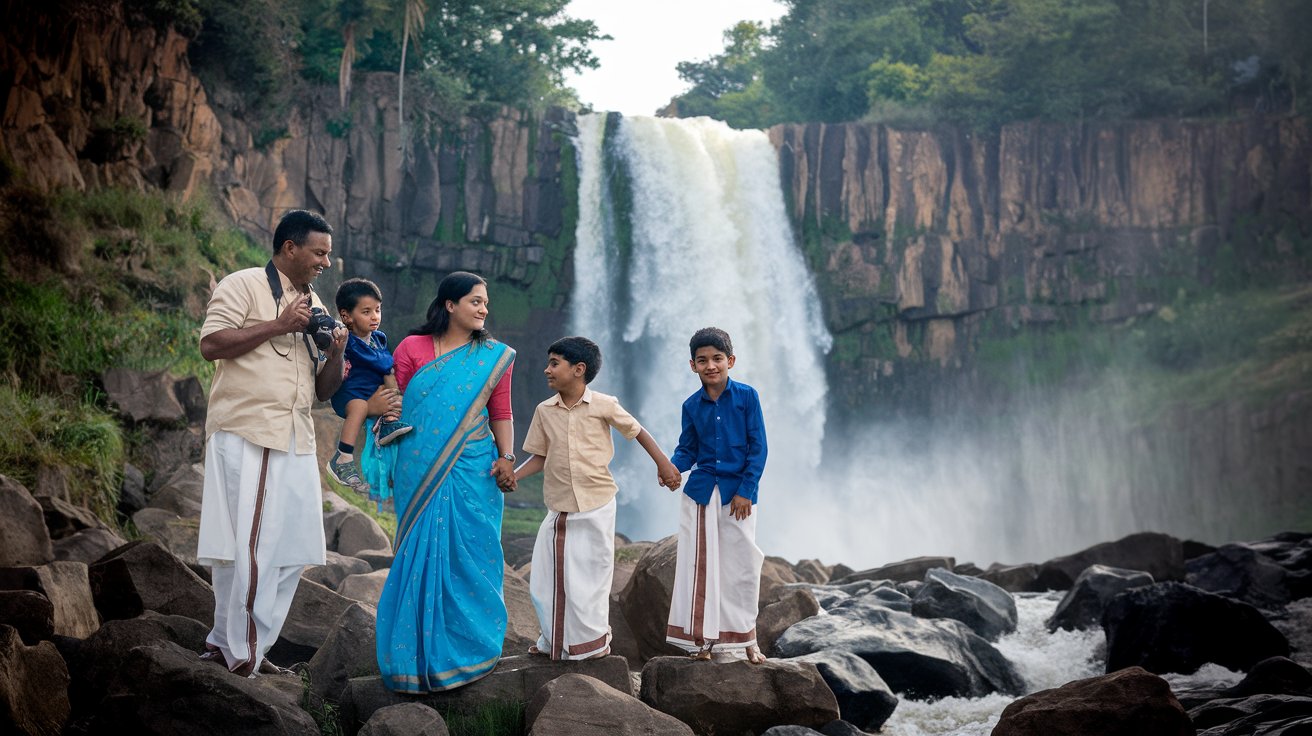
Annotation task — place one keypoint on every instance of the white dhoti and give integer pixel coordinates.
(261, 522)
(573, 563)
(717, 578)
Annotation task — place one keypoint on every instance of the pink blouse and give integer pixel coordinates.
(417, 351)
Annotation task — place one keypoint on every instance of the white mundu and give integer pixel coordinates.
(256, 536)
(717, 578)
(573, 562)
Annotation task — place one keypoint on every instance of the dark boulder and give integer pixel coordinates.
(1174, 627)
(793, 605)
(1083, 604)
(95, 661)
(578, 705)
(923, 658)
(33, 686)
(1255, 715)
(899, 572)
(1130, 702)
(864, 699)
(1238, 571)
(737, 697)
(987, 609)
(405, 719)
(30, 613)
(1159, 555)
(142, 576)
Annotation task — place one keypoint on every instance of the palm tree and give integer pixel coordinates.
(414, 22)
(348, 58)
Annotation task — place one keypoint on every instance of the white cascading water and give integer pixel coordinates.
(705, 242)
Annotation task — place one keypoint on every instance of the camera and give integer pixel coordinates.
(320, 327)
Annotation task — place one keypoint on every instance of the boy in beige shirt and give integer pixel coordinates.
(574, 555)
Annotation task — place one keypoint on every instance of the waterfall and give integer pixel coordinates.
(682, 226)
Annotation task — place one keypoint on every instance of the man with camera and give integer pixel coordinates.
(275, 350)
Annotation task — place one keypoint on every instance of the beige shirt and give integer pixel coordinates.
(265, 394)
(577, 445)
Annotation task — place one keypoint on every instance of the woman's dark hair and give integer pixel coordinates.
(454, 287)
(579, 350)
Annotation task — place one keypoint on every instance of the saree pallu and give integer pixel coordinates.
(441, 617)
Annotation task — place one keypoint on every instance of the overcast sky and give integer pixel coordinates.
(637, 75)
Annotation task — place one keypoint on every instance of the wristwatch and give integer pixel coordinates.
(508, 456)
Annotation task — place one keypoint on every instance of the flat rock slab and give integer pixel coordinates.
(515, 680)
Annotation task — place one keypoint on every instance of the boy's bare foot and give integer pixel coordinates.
(534, 651)
(703, 654)
(754, 655)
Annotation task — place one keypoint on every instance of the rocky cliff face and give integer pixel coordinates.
(97, 97)
(924, 241)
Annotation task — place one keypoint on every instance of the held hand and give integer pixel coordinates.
(295, 316)
(669, 476)
(740, 507)
(504, 471)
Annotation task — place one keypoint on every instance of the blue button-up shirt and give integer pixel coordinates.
(723, 443)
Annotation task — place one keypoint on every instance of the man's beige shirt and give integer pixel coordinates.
(266, 393)
(577, 445)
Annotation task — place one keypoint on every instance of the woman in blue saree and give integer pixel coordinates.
(441, 617)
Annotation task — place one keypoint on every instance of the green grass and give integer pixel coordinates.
(525, 509)
(1255, 345)
(386, 518)
(498, 718)
(44, 429)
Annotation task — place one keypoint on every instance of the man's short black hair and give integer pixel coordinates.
(349, 293)
(713, 337)
(296, 226)
(579, 350)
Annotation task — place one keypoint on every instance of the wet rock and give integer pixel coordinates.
(1083, 604)
(1268, 715)
(1274, 676)
(737, 697)
(1238, 571)
(1159, 555)
(1131, 702)
(987, 609)
(1174, 627)
(1012, 578)
(899, 572)
(864, 699)
(924, 658)
(578, 705)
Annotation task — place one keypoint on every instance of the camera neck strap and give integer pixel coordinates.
(275, 286)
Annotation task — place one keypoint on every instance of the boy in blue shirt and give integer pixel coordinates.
(367, 365)
(718, 567)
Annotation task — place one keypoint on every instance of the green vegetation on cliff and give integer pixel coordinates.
(92, 281)
(987, 62)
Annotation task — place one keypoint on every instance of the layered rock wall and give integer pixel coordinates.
(924, 241)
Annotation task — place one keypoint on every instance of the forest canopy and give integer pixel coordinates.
(463, 52)
(988, 62)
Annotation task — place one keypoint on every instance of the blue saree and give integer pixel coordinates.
(441, 617)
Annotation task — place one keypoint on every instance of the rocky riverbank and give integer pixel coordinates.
(98, 633)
